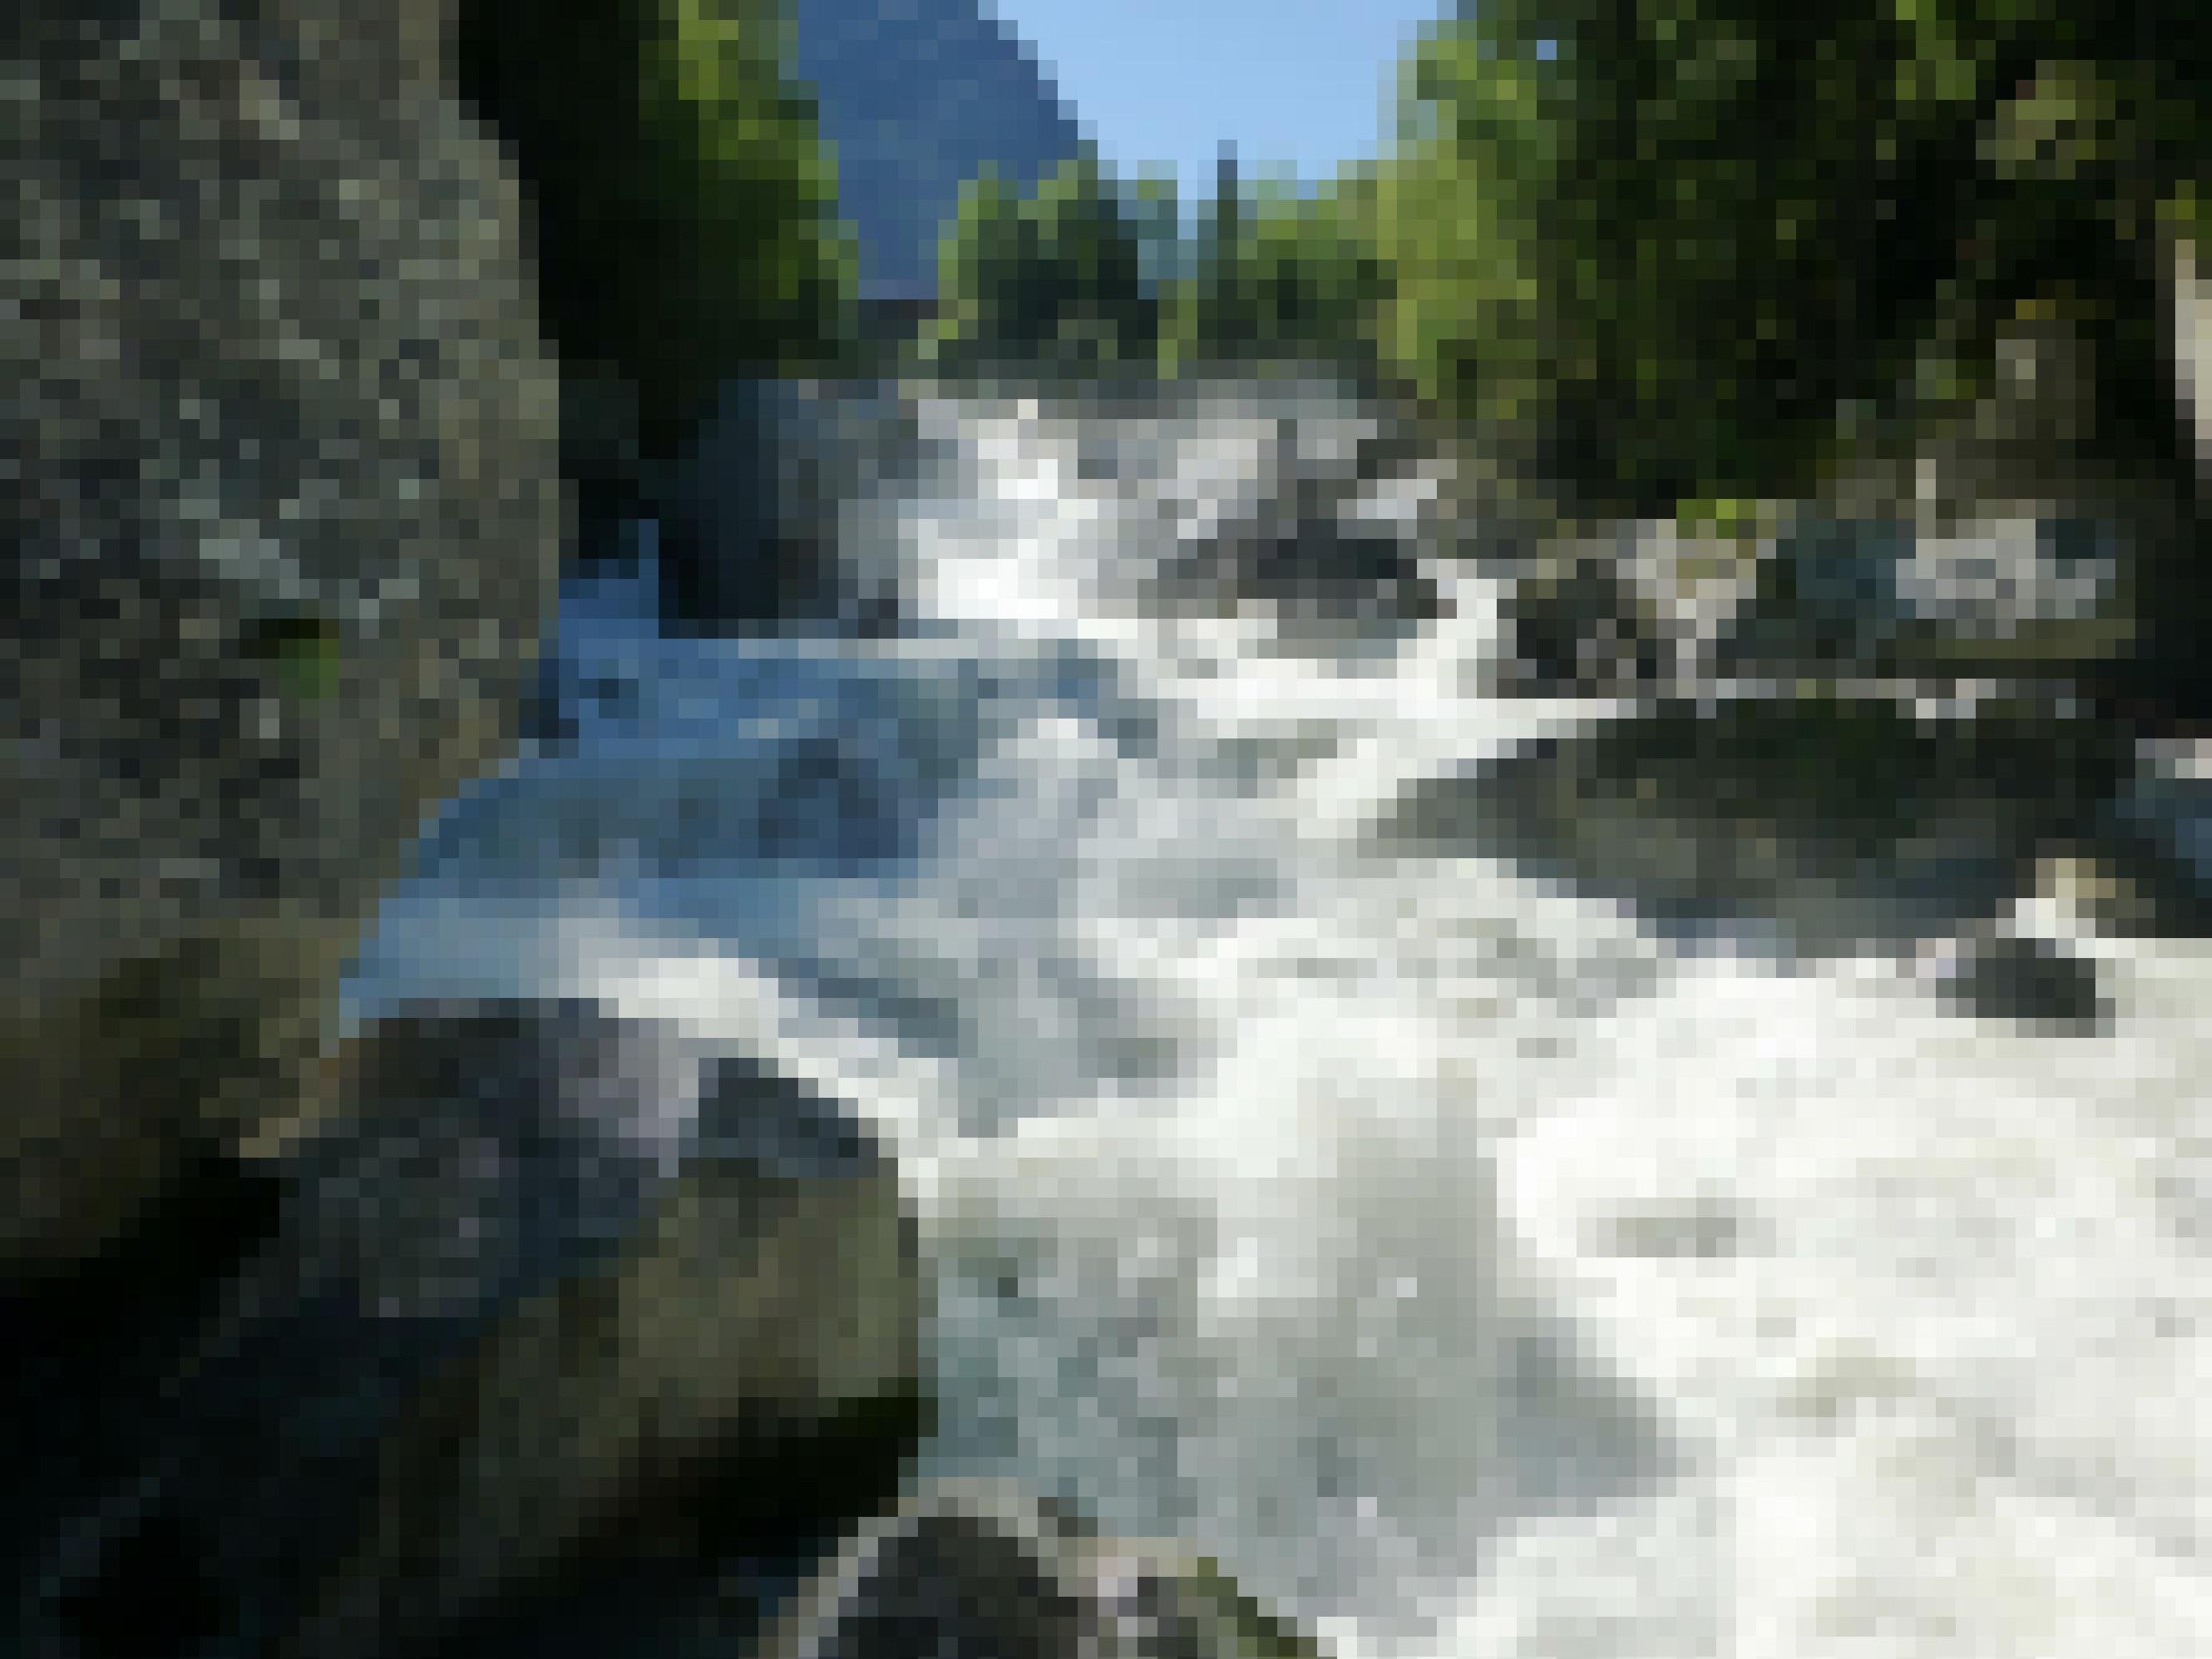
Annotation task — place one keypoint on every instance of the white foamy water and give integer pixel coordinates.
(1473, 1274)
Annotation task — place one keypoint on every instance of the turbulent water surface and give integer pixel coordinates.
(1546, 1208)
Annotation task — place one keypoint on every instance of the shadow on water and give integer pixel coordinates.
(1811, 830)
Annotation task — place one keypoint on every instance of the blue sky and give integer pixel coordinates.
(1296, 81)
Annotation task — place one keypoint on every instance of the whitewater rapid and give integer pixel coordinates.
(1475, 1273)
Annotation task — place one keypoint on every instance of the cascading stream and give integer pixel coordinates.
(1475, 1267)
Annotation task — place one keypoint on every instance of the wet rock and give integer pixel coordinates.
(549, 720)
(738, 1373)
(754, 517)
(281, 523)
(1827, 599)
(1305, 544)
(2001, 585)
(2036, 589)
(1316, 564)
(562, 1307)
(2031, 982)
(972, 1571)
(2001, 577)
(2156, 879)
(602, 463)
(1814, 827)
(1576, 622)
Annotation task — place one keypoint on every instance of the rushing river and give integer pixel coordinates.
(1499, 1218)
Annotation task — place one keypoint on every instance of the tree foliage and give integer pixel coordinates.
(1089, 274)
(1281, 275)
(1667, 241)
(681, 202)
(1054, 282)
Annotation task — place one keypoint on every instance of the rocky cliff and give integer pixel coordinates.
(282, 521)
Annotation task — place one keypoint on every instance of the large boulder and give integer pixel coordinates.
(561, 1304)
(2007, 541)
(721, 1361)
(766, 521)
(1310, 535)
(1577, 618)
(602, 460)
(2033, 589)
(281, 521)
(1809, 828)
(2014, 539)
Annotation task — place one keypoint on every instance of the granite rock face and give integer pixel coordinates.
(561, 1303)
(283, 517)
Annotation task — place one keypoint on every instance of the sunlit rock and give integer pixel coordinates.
(1306, 534)
(2037, 590)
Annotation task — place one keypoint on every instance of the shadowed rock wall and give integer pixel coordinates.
(281, 517)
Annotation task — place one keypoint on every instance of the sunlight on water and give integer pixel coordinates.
(1474, 1274)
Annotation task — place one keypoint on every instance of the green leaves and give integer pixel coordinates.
(1673, 251)
(1089, 273)
(682, 205)
(1056, 281)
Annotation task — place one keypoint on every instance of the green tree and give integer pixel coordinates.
(679, 197)
(1056, 282)
(1663, 242)
(1314, 284)
(1279, 274)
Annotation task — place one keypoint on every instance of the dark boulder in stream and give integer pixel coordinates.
(561, 1309)
(1805, 827)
